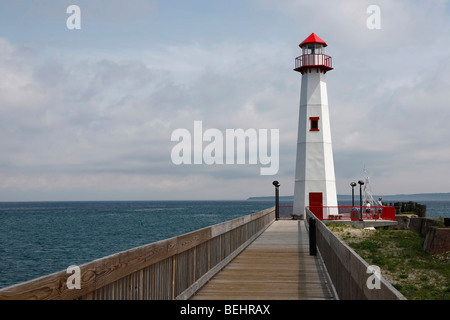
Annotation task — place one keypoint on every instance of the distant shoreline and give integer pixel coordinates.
(397, 197)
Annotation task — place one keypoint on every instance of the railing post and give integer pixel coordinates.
(312, 237)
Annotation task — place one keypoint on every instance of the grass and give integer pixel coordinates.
(416, 274)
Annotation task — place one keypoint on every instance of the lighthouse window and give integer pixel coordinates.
(313, 49)
(314, 123)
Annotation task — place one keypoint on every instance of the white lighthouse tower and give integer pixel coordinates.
(315, 183)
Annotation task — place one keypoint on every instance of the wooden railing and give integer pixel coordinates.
(169, 269)
(351, 276)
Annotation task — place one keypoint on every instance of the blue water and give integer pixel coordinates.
(39, 238)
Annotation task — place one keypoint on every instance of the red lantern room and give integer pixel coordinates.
(313, 56)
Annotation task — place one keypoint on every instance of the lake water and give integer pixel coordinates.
(39, 238)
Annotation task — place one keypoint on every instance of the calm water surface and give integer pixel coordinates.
(39, 238)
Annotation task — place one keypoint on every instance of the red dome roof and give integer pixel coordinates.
(313, 38)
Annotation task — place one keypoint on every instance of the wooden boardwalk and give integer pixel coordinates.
(277, 265)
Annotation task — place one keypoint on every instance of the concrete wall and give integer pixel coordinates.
(437, 240)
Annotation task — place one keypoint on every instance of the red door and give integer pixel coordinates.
(316, 203)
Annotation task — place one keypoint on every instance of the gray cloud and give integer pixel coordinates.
(83, 122)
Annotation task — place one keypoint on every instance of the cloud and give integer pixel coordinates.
(49, 12)
(93, 112)
(92, 120)
(388, 93)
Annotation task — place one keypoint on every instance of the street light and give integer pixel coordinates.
(360, 198)
(277, 200)
(353, 184)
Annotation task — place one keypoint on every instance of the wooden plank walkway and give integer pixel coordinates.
(276, 266)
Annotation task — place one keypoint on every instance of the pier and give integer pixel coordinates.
(251, 257)
(277, 265)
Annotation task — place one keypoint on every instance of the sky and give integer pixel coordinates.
(88, 113)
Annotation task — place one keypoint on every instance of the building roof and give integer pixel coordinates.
(313, 38)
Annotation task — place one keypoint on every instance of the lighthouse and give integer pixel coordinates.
(315, 184)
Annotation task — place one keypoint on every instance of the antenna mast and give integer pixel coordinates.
(367, 190)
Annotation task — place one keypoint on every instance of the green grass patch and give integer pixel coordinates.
(416, 274)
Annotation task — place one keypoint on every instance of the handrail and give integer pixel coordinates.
(169, 269)
(352, 277)
(353, 212)
(310, 60)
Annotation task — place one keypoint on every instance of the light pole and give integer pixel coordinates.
(360, 198)
(353, 184)
(277, 200)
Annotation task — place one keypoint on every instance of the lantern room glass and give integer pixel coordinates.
(313, 48)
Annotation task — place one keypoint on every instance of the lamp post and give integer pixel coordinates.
(277, 200)
(360, 198)
(353, 184)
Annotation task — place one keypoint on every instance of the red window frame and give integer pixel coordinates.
(314, 124)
